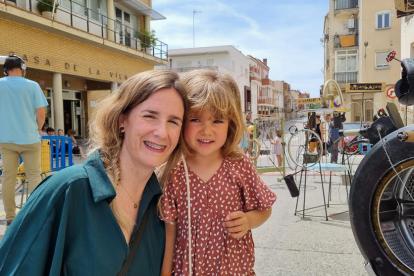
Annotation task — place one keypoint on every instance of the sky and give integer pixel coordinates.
(287, 33)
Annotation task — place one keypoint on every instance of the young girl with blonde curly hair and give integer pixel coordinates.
(215, 185)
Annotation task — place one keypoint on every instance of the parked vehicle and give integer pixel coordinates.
(346, 140)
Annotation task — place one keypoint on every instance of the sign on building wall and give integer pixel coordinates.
(365, 87)
(308, 100)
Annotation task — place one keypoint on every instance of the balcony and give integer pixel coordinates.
(85, 19)
(266, 82)
(343, 41)
(187, 69)
(346, 77)
(346, 4)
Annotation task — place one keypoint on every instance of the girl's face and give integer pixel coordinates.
(206, 134)
(152, 129)
(60, 132)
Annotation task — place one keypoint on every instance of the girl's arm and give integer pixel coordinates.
(167, 265)
(238, 223)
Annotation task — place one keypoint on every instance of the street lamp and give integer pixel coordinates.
(194, 12)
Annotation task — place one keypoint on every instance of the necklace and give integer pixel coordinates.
(135, 203)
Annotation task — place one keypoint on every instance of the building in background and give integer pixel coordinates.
(303, 106)
(287, 101)
(295, 95)
(262, 86)
(278, 86)
(226, 59)
(83, 53)
(358, 35)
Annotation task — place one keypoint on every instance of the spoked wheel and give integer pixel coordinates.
(382, 207)
(298, 148)
(393, 215)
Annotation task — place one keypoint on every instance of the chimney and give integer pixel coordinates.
(265, 61)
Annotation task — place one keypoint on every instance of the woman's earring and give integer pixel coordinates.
(121, 132)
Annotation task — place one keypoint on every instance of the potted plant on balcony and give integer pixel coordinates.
(45, 7)
(147, 39)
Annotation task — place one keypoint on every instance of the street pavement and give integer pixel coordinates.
(288, 244)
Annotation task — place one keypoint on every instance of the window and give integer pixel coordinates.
(380, 59)
(383, 19)
(346, 66)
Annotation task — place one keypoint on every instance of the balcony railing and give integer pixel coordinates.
(341, 41)
(187, 69)
(86, 19)
(346, 77)
(346, 4)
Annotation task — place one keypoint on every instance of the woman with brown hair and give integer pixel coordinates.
(86, 219)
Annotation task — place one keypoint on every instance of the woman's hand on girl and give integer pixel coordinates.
(237, 224)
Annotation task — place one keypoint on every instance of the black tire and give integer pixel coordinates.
(382, 224)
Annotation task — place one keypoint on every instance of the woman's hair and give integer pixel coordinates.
(104, 129)
(218, 93)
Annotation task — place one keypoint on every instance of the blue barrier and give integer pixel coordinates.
(59, 151)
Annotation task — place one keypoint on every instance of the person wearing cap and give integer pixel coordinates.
(22, 116)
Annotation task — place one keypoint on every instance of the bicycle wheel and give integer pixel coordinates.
(382, 207)
(298, 148)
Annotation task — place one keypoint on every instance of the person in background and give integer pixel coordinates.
(44, 129)
(277, 146)
(60, 132)
(314, 142)
(75, 148)
(22, 115)
(333, 138)
(50, 131)
(249, 119)
(83, 219)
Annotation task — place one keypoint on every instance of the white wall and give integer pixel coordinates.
(220, 56)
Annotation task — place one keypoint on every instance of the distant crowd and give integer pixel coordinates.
(50, 131)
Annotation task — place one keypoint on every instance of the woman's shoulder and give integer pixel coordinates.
(63, 180)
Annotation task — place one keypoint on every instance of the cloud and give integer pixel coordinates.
(287, 34)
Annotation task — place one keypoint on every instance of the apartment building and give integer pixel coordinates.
(358, 35)
(278, 86)
(303, 96)
(288, 101)
(226, 59)
(83, 53)
(263, 87)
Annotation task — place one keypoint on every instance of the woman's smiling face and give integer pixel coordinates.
(152, 129)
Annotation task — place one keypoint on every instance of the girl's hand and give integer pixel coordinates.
(236, 224)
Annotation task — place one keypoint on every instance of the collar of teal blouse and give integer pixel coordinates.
(101, 184)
